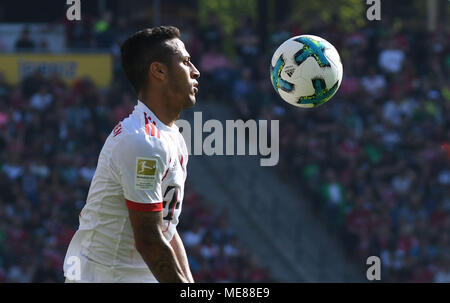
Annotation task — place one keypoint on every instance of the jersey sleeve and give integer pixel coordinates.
(139, 165)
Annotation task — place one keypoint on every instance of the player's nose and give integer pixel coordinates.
(195, 74)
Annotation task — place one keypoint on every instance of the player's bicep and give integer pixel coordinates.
(153, 246)
(147, 227)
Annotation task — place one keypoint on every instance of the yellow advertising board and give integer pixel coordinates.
(98, 67)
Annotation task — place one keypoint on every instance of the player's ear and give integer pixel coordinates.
(158, 70)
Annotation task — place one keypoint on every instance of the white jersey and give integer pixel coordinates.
(142, 166)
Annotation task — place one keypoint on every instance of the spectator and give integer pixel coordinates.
(374, 84)
(212, 33)
(218, 71)
(391, 59)
(443, 273)
(24, 43)
(213, 61)
(41, 100)
(4, 87)
(246, 41)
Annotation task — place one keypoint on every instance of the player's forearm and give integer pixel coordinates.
(162, 261)
(180, 252)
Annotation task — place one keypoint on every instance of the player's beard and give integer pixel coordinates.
(182, 92)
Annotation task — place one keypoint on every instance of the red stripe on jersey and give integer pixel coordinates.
(117, 130)
(145, 207)
(155, 130)
(181, 160)
(167, 170)
(147, 131)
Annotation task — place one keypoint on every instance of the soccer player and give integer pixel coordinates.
(127, 230)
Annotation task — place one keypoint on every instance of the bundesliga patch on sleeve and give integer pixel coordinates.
(145, 178)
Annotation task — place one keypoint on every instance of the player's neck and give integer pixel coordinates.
(160, 109)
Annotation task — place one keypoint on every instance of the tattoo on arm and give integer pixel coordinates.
(154, 248)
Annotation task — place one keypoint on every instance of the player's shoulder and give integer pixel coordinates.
(131, 136)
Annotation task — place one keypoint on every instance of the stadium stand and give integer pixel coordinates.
(371, 163)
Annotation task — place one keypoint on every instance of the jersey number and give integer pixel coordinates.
(171, 204)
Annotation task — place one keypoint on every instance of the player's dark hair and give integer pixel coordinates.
(143, 48)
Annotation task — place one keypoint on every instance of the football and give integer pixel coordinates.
(306, 71)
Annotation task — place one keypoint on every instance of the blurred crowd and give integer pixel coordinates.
(51, 134)
(373, 161)
(50, 138)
